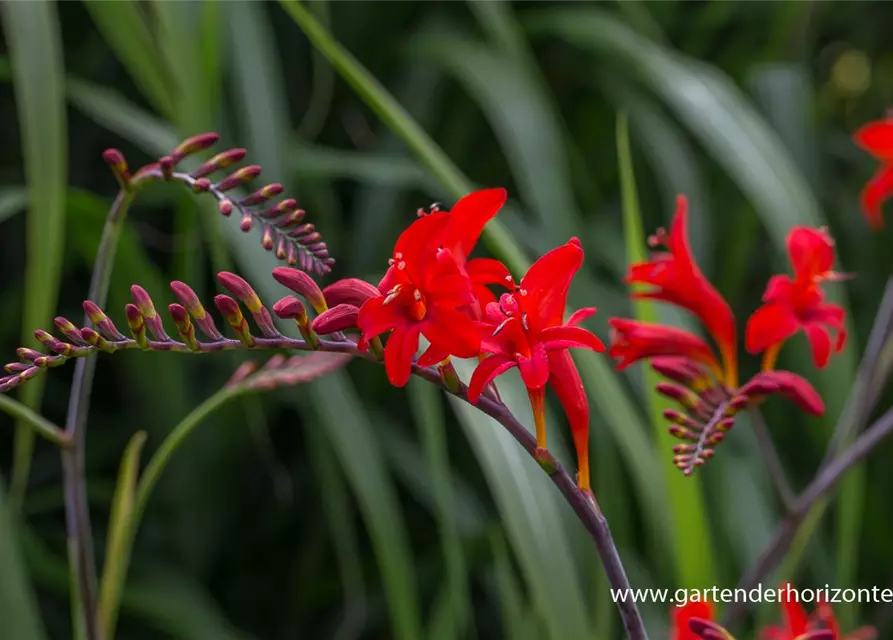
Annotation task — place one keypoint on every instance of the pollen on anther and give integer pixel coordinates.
(523, 292)
(417, 295)
(401, 265)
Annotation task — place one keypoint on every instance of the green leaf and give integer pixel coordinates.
(690, 527)
(13, 199)
(34, 41)
(428, 411)
(127, 33)
(120, 535)
(352, 438)
(18, 607)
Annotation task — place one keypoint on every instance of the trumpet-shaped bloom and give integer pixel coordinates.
(422, 294)
(526, 329)
(792, 304)
(675, 277)
(632, 340)
(877, 139)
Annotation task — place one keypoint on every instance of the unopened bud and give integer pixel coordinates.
(218, 162)
(246, 222)
(262, 195)
(239, 177)
(137, 325)
(337, 318)
(115, 159)
(302, 284)
(230, 310)
(349, 291)
(194, 145)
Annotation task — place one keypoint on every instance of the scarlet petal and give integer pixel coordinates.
(820, 342)
(545, 285)
(432, 355)
(579, 316)
(535, 370)
(417, 245)
(488, 271)
(485, 372)
(453, 332)
(794, 615)
(375, 317)
(876, 192)
(453, 290)
(770, 324)
(468, 218)
(633, 341)
(811, 252)
(392, 278)
(796, 389)
(568, 337)
(398, 353)
(877, 138)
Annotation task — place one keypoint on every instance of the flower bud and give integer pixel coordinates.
(302, 284)
(147, 310)
(137, 325)
(262, 195)
(239, 177)
(246, 222)
(281, 208)
(349, 291)
(95, 339)
(291, 307)
(230, 310)
(67, 329)
(202, 185)
(334, 319)
(115, 159)
(218, 162)
(193, 145)
(180, 316)
(103, 323)
(202, 318)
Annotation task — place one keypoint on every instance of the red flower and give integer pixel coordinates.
(466, 222)
(526, 329)
(632, 341)
(792, 304)
(798, 625)
(877, 138)
(422, 293)
(675, 278)
(684, 614)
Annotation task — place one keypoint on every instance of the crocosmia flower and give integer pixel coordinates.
(799, 625)
(673, 276)
(422, 294)
(526, 329)
(705, 384)
(792, 304)
(432, 289)
(877, 139)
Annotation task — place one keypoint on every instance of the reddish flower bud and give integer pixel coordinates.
(295, 217)
(115, 159)
(167, 166)
(194, 145)
(291, 307)
(239, 177)
(338, 318)
(686, 397)
(267, 237)
(230, 310)
(103, 323)
(67, 329)
(202, 318)
(677, 417)
(262, 195)
(281, 248)
(682, 433)
(246, 294)
(180, 316)
(302, 284)
(26, 354)
(137, 325)
(349, 291)
(202, 185)
(147, 310)
(218, 162)
(246, 222)
(16, 367)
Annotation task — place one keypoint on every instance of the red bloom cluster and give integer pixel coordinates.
(877, 139)
(706, 385)
(433, 289)
(695, 621)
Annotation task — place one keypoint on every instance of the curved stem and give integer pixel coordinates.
(38, 423)
(77, 515)
(772, 460)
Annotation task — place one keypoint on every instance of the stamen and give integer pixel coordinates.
(501, 327)
(392, 295)
(524, 322)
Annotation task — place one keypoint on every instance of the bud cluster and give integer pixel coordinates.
(283, 228)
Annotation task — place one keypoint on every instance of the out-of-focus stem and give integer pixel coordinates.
(772, 460)
(77, 514)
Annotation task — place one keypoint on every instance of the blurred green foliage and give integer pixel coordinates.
(349, 509)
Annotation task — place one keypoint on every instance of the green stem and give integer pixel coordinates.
(36, 422)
